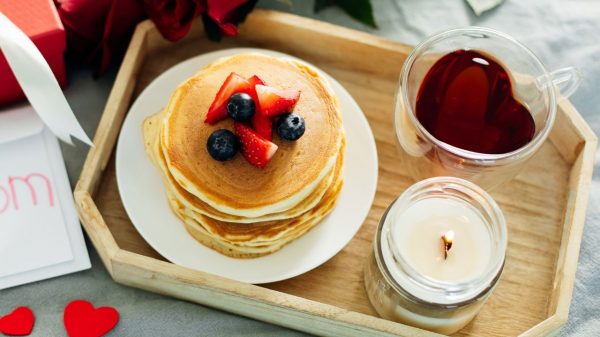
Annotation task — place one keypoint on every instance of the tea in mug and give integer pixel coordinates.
(466, 100)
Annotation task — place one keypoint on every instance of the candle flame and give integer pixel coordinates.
(447, 241)
(449, 236)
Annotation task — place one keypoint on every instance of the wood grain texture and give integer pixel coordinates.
(544, 206)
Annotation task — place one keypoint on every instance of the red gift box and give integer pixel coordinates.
(40, 21)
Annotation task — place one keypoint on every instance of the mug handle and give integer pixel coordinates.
(566, 80)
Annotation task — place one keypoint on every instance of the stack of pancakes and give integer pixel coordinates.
(233, 207)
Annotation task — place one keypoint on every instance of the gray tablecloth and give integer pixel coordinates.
(560, 32)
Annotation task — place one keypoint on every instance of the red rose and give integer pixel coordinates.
(100, 29)
(224, 13)
(173, 18)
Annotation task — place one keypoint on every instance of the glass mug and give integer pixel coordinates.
(425, 156)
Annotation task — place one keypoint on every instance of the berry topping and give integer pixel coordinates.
(274, 102)
(241, 107)
(257, 150)
(261, 124)
(290, 126)
(233, 84)
(222, 145)
(254, 80)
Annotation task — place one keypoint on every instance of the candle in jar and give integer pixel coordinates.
(438, 253)
(420, 240)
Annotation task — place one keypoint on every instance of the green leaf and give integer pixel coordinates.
(360, 10)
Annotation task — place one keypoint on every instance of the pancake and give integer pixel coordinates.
(151, 130)
(235, 187)
(233, 207)
(269, 240)
(258, 232)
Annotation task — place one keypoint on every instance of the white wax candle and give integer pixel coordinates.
(409, 279)
(418, 233)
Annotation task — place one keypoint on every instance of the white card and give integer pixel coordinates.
(40, 235)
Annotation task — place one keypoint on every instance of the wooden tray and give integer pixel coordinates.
(544, 206)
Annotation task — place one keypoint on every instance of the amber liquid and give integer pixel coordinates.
(466, 100)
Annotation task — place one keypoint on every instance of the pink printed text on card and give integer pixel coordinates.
(18, 191)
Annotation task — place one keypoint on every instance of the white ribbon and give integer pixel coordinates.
(38, 83)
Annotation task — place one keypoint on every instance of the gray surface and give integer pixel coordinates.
(560, 32)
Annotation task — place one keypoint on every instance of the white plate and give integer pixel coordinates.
(143, 193)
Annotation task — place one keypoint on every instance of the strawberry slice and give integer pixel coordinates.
(263, 126)
(233, 84)
(254, 80)
(261, 123)
(274, 102)
(257, 150)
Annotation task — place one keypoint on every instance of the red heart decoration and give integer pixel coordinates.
(83, 320)
(17, 323)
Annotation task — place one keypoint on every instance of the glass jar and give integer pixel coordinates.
(425, 156)
(399, 292)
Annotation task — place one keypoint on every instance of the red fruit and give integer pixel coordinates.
(254, 80)
(233, 84)
(274, 102)
(263, 126)
(257, 150)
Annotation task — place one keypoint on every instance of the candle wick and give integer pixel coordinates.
(447, 243)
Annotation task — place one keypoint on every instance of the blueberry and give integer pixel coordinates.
(222, 145)
(241, 107)
(290, 126)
